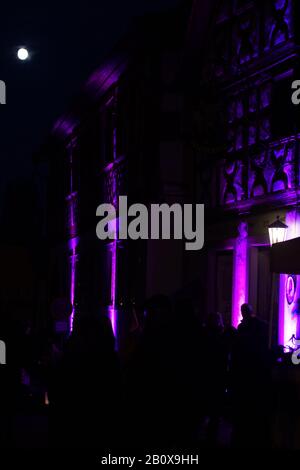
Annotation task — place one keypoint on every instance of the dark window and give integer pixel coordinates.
(282, 109)
(107, 134)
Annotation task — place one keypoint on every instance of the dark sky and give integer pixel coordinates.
(68, 40)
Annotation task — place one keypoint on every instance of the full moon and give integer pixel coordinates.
(23, 53)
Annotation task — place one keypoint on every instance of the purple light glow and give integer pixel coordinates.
(65, 126)
(72, 245)
(72, 290)
(112, 307)
(106, 76)
(287, 322)
(73, 241)
(240, 274)
(114, 247)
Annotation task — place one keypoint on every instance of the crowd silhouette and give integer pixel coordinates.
(173, 382)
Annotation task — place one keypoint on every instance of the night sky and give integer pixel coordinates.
(68, 41)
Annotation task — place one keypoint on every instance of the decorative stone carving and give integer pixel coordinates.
(265, 129)
(252, 101)
(257, 180)
(231, 113)
(232, 189)
(291, 288)
(252, 134)
(114, 180)
(272, 170)
(242, 230)
(278, 28)
(282, 158)
(239, 141)
(245, 39)
(239, 108)
(265, 95)
(255, 165)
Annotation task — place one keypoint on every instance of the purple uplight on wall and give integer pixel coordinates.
(72, 289)
(73, 243)
(240, 274)
(113, 227)
(287, 324)
(72, 200)
(114, 247)
(112, 307)
(289, 289)
(65, 126)
(106, 76)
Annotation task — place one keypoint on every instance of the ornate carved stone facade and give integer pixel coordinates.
(253, 60)
(114, 181)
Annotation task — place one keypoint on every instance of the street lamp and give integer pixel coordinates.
(277, 231)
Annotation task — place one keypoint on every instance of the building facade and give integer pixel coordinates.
(120, 137)
(247, 72)
(193, 106)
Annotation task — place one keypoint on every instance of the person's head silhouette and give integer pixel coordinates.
(247, 311)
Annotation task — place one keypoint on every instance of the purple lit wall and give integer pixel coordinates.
(72, 200)
(240, 273)
(72, 246)
(112, 307)
(288, 289)
(114, 247)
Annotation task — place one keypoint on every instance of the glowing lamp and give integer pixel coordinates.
(277, 231)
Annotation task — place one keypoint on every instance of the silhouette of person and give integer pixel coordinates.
(251, 381)
(11, 333)
(85, 390)
(253, 335)
(214, 374)
(162, 377)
